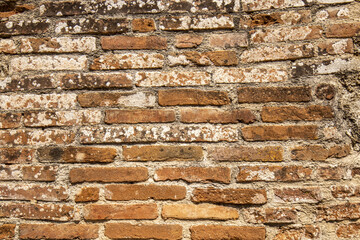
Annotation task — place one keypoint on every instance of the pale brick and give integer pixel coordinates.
(33, 192)
(306, 232)
(270, 215)
(336, 47)
(228, 40)
(188, 40)
(298, 195)
(91, 26)
(171, 79)
(39, 173)
(7, 46)
(197, 22)
(215, 232)
(9, 173)
(255, 5)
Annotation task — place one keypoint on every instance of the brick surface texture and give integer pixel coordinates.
(186, 119)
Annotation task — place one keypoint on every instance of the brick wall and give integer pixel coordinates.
(209, 119)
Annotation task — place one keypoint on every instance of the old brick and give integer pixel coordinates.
(143, 231)
(342, 30)
(9, 173)
(305, 232)
(31, 211)
(197, 212)
(27, 27)
(294, 113)
(95, 80)
(59, 231)
(334, 47)
(126, 192)
(251, 5)
(131, 7)
(185, 97)
(172, 79)
(298, 195)
(270, 215)
(338, 212)
(204, 6)
(128, 61)
(280, 133)
(92, 26)
(162, 153)
(10, 8)
(143, 25)
(39, 173)
(139, 116)
(345, 191)
(325, 91)
(200, 22)
(7, 46)
(214, 115)
(63, 8)
(242, 153)
(194, 174)
(188, 40)
(7, 231)
(136, 43)
(319, 153)
(277, 53)
(33, 192)
(16, 155)
(77, 154)
(88, 194)
(57, 45)
(10, 120)
(17, 83)
(95, 212)
(108, 174)
(214, 232)
(230, 195)
(250, 75)
(273, 94)
(331, 173)
(218, 58)
(62, 118)
(129, 134)
(273, 173)
(334, 13)
(228, 40)
(351, 231)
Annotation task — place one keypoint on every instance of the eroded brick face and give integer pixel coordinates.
(186, 119)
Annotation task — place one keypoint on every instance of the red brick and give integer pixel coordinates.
(294, 113)
(143, 25)
(241, 153)
(273, 173)
(91, 26)
(108, 174)
(338, 212)
(64, 8)
(143, 231)
(319, 152)
(95, 212)
(10, 120)
(7, 231)
(16, 155)
(274, 94)
(188, 40)
(214, 115)
(229, 195)
(228, 40)
(88, 194)
(351, 231)
(27, 27)
(215, 232)
(279, 133)
(162, 153)
(136, 43)
(126, 192)
(59, 231)
(331, 173)
(298, 195)
(33, 192)
(139, 116)
(194, 174)
(195, 97)
(342, 30)
(9, 173)
(39, 173)
(270, 215)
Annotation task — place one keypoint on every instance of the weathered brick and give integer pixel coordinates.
(342, 30)
(294, 113)
(128, 61)
(230, 195)
(139, 116)
(39, 173)
(129, 134)
(130, 7)
(280, 133)
(126, 192)
(255, 5)
(274, 94)
(17, 83)
(162, 153)
(96, 212)
(92, 26)
(319, 152)
(338, 212)
(188, 40)
(9, 173)
(57, 45)
(205, 6)
(143, 231)
(306, 232)
(11, 8)
(284, 34)
(33, 192)
(273, 173)
(172, 79)
(16, 155)
(52, 212)
(331, 173)
(325, 91)
(199, 22)
(7, 231)
(48, 63)
(270, 215)
(64, 8)
(214, 115)
(94, 80)
(77, 154)
(62, 118)
(197, 212)
(7, 46)
(334, 47)
(213, 232)
(10, 120)
(27, 27)
(228, 40)
(345, 191)
(108, 174)
(59, 231)
(88, 194)
(334, 13)
(218, 58)
(250, 75)
(298, 195)
(242, 153)
(194, 174)
(143, 25)
(190, 97)
(277, 53)
(136, 43)
(351, 231)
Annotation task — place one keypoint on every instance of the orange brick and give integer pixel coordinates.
(139, 116)
(33, 192)
(88, 194)
(214, 232)
(143, 25)
(95, 212)
(136, 43)
(40, 173)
